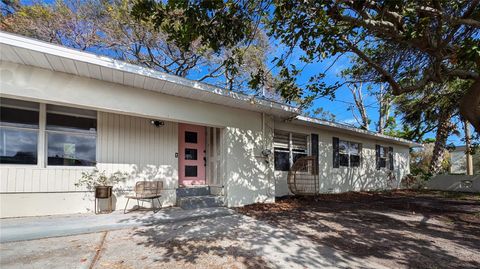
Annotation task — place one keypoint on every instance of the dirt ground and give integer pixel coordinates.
(402, 229)
(353, 230)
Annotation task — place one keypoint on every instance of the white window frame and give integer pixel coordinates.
(359, 154)
(71, 132)
(291, 147)
(42, 142)
(38, 130)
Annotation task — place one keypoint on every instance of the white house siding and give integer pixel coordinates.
(124, 143)
(247, 176)
(343, 179)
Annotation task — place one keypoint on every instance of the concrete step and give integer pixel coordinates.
(193, 191)
(194, 202)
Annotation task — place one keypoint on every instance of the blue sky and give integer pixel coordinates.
(343, 97)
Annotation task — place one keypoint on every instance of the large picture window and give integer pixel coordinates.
(288, 148)
(71, 136)
(19, 121)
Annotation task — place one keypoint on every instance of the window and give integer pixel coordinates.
(71, 136)
(19, 121)
(191, 137)
(288, 148)
(384, 156)
(346, 153)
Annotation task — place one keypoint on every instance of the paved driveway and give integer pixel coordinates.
(215, 238)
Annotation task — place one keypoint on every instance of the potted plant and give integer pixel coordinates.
(100, 182)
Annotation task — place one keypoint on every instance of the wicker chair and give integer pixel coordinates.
(303, 176)
(146, 190)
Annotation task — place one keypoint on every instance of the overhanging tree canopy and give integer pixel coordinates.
(440, 40)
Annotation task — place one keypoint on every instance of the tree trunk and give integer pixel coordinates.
(468, 153)
(443, 130)
(470, 105)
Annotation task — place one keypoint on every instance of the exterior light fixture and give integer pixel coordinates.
(157, 123)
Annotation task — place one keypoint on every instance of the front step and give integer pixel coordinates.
(193, 191)
(194, 202)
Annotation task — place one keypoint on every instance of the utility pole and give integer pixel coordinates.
(468, 153)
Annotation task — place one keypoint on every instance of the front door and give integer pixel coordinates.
(192, 162)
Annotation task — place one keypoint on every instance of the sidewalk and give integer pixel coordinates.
(29, 228)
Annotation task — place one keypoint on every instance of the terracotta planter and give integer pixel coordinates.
(103, 192)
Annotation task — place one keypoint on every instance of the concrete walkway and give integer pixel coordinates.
(172, 238)
(29, 228)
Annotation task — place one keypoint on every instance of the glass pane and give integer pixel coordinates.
(354, 160)
(190, 154)
(343, 146)
(383, 152)
(190, 170)
(343, 159)
(297, 156)
(59, 122)
(191, 137)
(383, 162)
(18, 117)
(281, 160)
(354, 148)
(69, 149)
(18, 146)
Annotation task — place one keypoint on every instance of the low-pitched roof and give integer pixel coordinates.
(32, 52)
(28, 51)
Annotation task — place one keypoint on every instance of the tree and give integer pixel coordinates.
(429, 42)
(110, 28)
(363, 121)
(320, 113)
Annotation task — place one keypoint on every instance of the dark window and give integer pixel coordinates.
(344, 160)
(71, 149)
(190, 154)
(19, 122)
(18, 117)
(288, 148)
(60, 122)
(71, 138)
(383, 154)
(349, 153)
(190, 170)
(354, 160)
(191, 137)
(18, 146)
(282, 162)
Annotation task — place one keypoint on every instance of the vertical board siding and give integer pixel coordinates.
(124, 143)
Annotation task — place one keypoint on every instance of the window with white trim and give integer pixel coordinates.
(384, 157)
(71, 136)
(288, 147)
(349, 153)
(19, 125)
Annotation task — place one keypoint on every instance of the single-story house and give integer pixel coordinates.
(65, 111)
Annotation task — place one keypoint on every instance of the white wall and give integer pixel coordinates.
(249, 175)
(127, 142)
(124, 143)
(343, 179)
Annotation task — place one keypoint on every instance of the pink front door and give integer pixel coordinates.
(191, 155)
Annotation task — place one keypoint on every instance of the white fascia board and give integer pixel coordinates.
(321, 123)
(107, 62)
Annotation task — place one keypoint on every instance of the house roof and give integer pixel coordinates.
(32, 52)
(352, 130)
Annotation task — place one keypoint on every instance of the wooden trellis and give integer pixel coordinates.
(303, 176)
